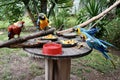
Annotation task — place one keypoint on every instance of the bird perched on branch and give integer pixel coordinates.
(42, 22)
(15, 29)
(96, 43)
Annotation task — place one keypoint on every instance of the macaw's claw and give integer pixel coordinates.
(80, 45)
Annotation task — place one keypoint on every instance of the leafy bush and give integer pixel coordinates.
(4, 24)
(113, 32)
(60, 18)
(11, 11)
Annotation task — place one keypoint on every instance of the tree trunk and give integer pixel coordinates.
(51, 8)
(35, 6)
(30, 14)
(43, 6)
(26, 2)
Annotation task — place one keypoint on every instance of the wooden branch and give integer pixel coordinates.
(28, 44)
(15, 41)
(93, 18)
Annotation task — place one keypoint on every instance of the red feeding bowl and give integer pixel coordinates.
(52, 49)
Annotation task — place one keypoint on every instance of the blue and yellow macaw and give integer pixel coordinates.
(42, 22)
(96, 43)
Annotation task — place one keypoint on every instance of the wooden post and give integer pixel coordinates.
(57, 69)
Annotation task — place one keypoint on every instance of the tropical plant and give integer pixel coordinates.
(60, 13)
(93, 8)
(60, 19)
(113, 32)
(90, 9)
(11, 10)
(82, 16)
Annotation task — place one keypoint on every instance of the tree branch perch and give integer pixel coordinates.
(23, 39)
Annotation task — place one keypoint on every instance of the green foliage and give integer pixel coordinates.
(60, 18)
(65, 3)
(4, 24)
(113, 32)
(71, 21)
(27, 25)
(90, 9)
(96, 61)
(93, 8)
(11, 11)
(82, 16)
(60, 13)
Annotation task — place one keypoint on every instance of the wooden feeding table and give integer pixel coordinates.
(57, 67)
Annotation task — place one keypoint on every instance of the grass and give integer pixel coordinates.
(5, 24)
(72, 21)
(96, 61)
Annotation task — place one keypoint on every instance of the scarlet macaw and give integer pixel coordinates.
(15, 29)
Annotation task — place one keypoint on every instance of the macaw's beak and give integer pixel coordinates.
(20, 23)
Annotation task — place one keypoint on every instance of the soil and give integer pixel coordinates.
(20, 66)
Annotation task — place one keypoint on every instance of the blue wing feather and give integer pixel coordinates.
(106, 43)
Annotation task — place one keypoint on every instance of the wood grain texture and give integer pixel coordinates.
(57, 69)
(71, 52)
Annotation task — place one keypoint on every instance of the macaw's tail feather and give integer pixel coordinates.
(113, 64)
(106, 55)
(106, 43)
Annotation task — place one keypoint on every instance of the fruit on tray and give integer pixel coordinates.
(49, 36)
(68, 41)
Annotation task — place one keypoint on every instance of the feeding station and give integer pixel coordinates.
(57, 50)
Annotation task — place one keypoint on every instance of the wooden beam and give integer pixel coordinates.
(15, 41)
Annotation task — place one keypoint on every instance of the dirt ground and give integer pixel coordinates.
(20, 70)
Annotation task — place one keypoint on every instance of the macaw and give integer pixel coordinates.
(15, 29)
(101, 46)
(42, 22)
(96, 43)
